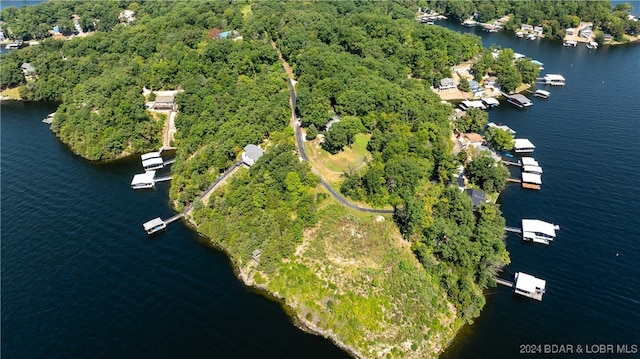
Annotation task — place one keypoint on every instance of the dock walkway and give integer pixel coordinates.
(513, 230)
(505, 282)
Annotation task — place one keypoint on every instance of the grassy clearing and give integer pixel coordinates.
(11, 94)
(331, 167)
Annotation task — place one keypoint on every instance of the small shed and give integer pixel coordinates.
(447, 83)
(251, 154)
(477, 197)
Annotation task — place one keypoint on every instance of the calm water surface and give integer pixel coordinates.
(586, 135)
(81, 279)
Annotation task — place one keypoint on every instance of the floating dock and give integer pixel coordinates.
(538, 231)
(525, 285)
(529, 286)
(158, 224)
(147, 180)
(542, 94)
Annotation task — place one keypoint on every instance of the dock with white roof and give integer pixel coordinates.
(525, 285)
(535, 230)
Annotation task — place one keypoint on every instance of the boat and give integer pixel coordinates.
(542, 94)
(49, 118)
(554, 80)
(570, 43)
(592, 45)
(519, 34)
(531, 37)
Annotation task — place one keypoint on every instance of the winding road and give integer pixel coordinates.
(295, 123)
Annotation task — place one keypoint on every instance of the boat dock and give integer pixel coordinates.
(535, 230)
(509, 163)
(158, 224)
(525, 285)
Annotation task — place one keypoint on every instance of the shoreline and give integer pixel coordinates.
(297, 321)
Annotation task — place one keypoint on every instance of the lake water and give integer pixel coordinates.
(81, 279)
(586, 136)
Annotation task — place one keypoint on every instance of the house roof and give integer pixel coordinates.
(165, 99)
(253, 152)
(529, 161)
(447, 82)
(477, 196)
(520, 98)
(27, 67)
(474, 137)
(474, 83)
(532, 168)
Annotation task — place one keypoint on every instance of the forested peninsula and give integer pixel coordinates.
(397, 285)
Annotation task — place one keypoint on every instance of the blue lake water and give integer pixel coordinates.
(586, 136)
(81, 279)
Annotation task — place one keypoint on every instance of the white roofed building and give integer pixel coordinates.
(538, 231)
(531, 178)
(530, 286)
(144, 180)
(251, 154)
(523, 145)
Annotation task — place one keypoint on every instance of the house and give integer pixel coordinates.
(27, 69)
(586, 31)
(608, 38)
(460, 180)
(570, 31)
(127, 16)
(165, 103)
(473, 138)
(526, 28)
(446, 84)
(251, 154)
(56, 30)
(477, 197)
(475, 87)
(538, 30)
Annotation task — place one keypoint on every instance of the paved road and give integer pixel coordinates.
(300, 143)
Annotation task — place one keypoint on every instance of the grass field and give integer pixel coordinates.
(331, 167)
(11, 94)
